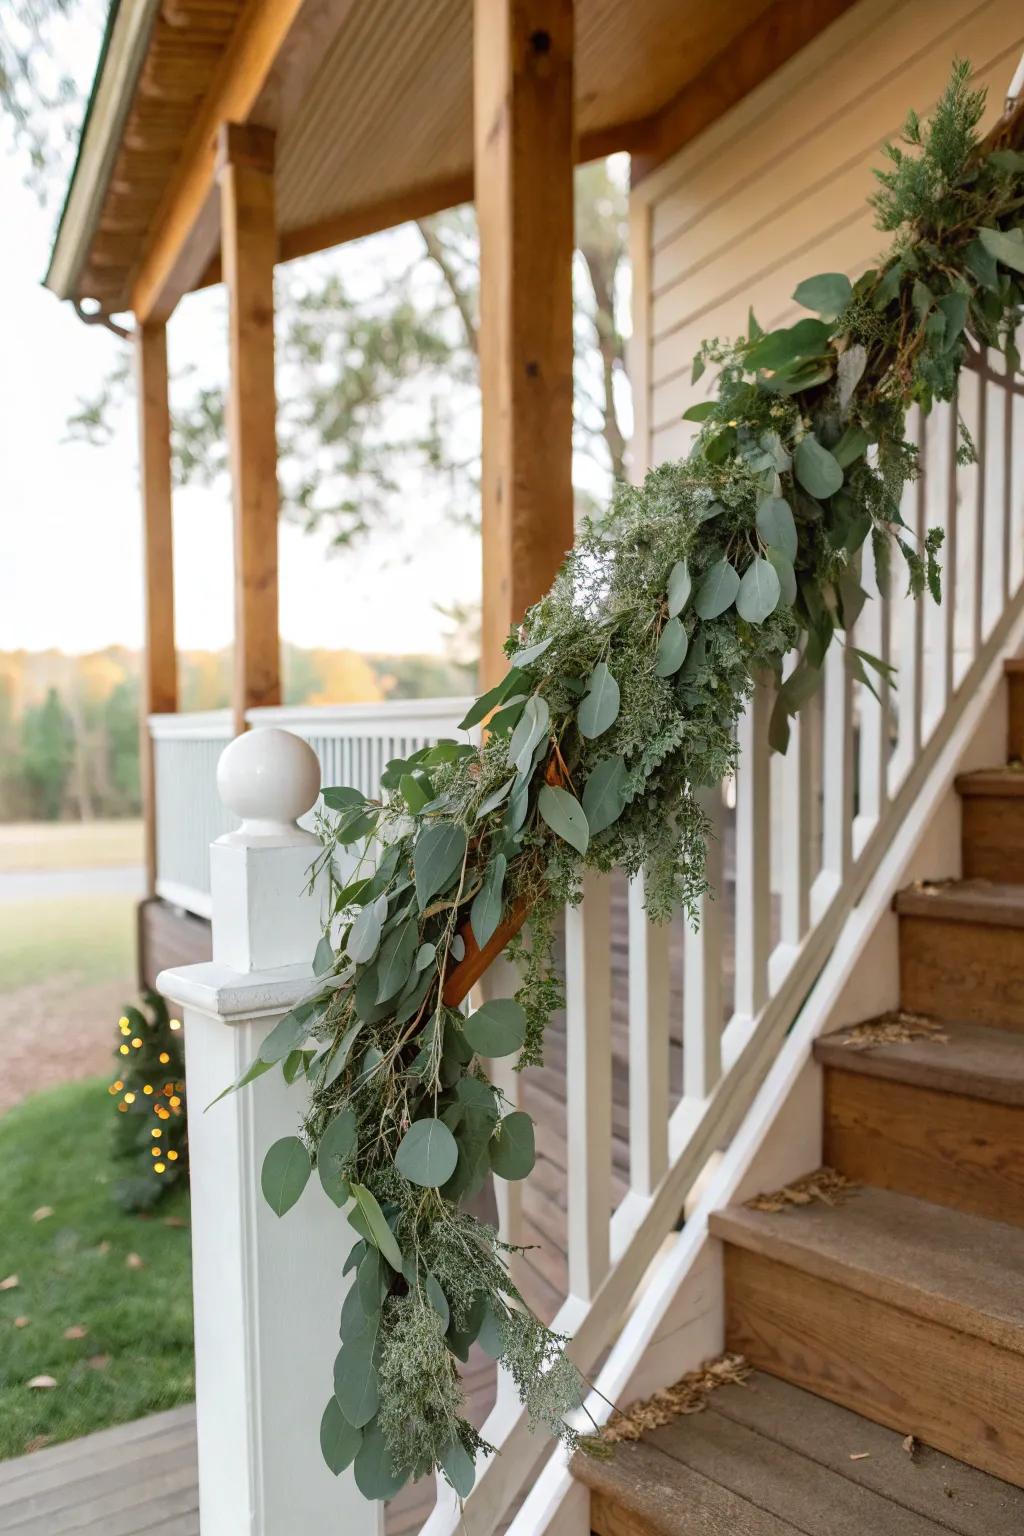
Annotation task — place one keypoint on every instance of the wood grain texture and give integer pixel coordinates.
(958, 1497)
(523, 113)
(982, 1063)
(949, 1389)
(1015, 709)
(158, 692)
(962, 970)
(992, 825)
(944, 1147)
(638, 1491)
(249, 250)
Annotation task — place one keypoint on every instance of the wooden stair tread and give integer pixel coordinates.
(997, 903)
(958, 1496)
(639, 1491)
(962, 1272)
(999, 782)
(975, 1060)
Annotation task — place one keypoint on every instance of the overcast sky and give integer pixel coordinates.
(69, 516)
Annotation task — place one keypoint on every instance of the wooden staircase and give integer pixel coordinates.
(898, 1312)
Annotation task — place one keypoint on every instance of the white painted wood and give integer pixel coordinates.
(588, 1085)
(753, 855)
(702, 970)
(266, 1290)
(648, 1045)
(837, 757)
(873, 705)
(794, 825)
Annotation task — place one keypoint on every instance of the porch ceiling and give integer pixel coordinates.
(373, 108)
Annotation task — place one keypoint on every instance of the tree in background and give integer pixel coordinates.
(151, 1125)
(47, 755)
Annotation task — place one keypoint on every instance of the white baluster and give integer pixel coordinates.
(753, 855)
(648, 1045)
(837, 770)
(266, 1288)
(588, 1074)
(795, 823)
(873, 628)
(702, 970)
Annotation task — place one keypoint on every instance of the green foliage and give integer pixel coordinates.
(151, 1123)
(627, 683)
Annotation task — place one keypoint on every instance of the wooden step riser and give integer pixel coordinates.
(962, 970)
(993, 837)
(950, 1390)
(943, 1147)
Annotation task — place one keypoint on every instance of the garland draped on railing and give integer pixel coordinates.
(621, 701)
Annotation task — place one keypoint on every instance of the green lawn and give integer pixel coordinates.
(74, 1271)
(69, 844)
(82, 939)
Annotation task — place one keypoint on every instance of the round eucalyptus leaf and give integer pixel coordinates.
(787, 576)
(286, 1170)
(355, 1374)
(776, 526)
(759, 592)
(376, 1475)
(498, 1028)
(459, 1468)
(600, 706)
(604, 794)
(672, 649)
(815, 468)
(485, 913)
(680, 586)
(335, 1148)
(827, 294)
(427, 1154)
(355, 1319)
(512, 1146)
(440, 849)
(339, 1440)
(717, 590)
(564, 815)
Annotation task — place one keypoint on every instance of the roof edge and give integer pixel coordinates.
(122, 54)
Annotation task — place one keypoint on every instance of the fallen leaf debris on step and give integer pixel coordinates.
(826, 1185)
(894, 1029)
(689, 1395)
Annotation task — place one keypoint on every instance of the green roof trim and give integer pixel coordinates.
(122, 53)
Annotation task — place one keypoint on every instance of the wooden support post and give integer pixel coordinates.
(158, 691)
(523, 102)
(249, 250)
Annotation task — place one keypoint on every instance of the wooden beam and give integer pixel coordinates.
(249, 248)
(185, 230)
(158, 691)
(523, 123)
(756, 53)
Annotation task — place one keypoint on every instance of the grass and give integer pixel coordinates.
(73, 1271)
(69, 844)
(82, 939)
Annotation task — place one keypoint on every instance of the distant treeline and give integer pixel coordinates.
(69, 746)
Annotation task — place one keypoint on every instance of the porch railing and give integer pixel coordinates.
(352, 741)
(668, 1033)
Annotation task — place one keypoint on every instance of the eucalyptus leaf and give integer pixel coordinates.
(759, 592)
(600, 707)
(827, 294)
(532, 653)
(787, 577)
(815, 468)
(364, 935)
(513, 1152)
(459, 1468)
(849, 372)
(679, 588)
(339, 1440)
(780, 349)
(285, 1174)
(335, 1148)
(427, 1154)
(604, 794)
(717, 591)
(1007, 246)
(494, 799)
(379, 1232)
(254, 1070)
(339, 1060)
(564, 815)
(497, 1028)
(373, 1279)
(531, 728)
(439, 851)
(355, 1374)
(287, 1033)
(376, 1475)
(323, 958)
(438, 1300)
(491, 699)
(396, 960)
(672, 647)
(776, 526)
(485, 913)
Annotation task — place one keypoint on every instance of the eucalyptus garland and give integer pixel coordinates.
(621, 702)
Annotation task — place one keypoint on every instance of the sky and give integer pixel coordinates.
(70, 551)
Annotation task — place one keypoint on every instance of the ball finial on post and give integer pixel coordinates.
(269, 778)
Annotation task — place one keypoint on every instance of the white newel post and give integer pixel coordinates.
(267, 1288)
